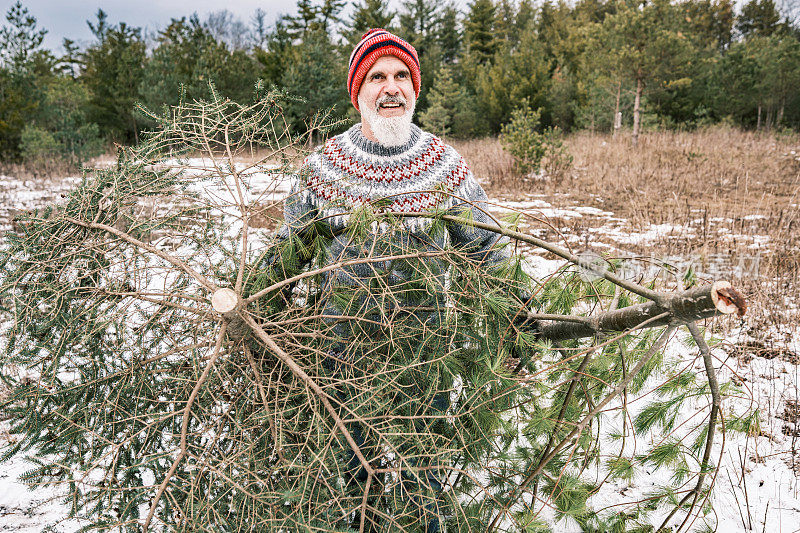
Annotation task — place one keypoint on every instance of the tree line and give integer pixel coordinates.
(580, 65)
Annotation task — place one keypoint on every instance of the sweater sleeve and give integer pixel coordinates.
(480, 245)
(485, 247)
(299, 210)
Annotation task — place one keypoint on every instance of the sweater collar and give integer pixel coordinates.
(373, 148)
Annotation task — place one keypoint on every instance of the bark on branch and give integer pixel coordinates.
(687, 306)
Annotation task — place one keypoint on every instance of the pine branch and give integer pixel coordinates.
(187, 413)
(312, 384)
(152, 249)
(585, 421)
(683, 307)
(716, 403)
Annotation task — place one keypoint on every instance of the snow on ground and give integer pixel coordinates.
(19, 195)
(758, 485)
(29, 509)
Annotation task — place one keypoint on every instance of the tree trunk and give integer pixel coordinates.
(636, 103)
(780, 112)
(617, 114)
(719, 298)
(758, 123)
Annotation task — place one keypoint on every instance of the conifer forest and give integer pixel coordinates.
(687, 63)
(168, 357)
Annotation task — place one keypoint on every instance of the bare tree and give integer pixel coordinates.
(225, 27)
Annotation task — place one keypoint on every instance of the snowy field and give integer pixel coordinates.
(756, 488)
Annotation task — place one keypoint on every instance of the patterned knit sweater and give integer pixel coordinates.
(425, 174)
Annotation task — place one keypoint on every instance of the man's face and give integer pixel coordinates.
(386, 100)
(388, 77)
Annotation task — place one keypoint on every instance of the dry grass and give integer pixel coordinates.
(487, 159)
(729, 172)
(726, 194)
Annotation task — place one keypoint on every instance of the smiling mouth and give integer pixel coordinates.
(390, 106)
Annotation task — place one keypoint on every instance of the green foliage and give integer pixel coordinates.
(61, 134)
(759, 17)
(18, 105)
(419, 25)
(314, 63)
(529, 147)
(481, 41)
(113, 70)
(762, 73)
(367, 15)
(22, 62)
(186, 59)
(39, 147)
(749, 424)
(20, 39)
(621, 468)
(646, 46)
(690, 63)
(451, 111)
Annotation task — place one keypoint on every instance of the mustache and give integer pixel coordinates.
(390, 99)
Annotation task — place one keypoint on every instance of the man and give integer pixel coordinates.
(389, 164)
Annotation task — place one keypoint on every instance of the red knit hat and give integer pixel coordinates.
(376, 43)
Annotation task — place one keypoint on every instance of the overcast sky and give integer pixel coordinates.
(67, 18)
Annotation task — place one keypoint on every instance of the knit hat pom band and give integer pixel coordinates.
(375, 44)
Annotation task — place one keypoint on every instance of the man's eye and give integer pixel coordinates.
(377, 76)
(402, 75)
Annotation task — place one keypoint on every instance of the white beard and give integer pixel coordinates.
(390, 131)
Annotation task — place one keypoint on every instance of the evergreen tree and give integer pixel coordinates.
(419, 25)
(60, 132)
(555, 26)
(19, 39)
(70, 63)
(24, 68)
(367, 15)
(187, 59)
(759, 17)
(479, 35)
(505, 22)
(644, 44)
(711, 21)
(525, 15)
(174, 63)
(276, 55)
(303, 20)
(592, 11)
(18, 104)
(511, 78)
(761, 76)
(781, 76)
(113, 71)
(314, 18)
(449, 35)
(451, 112)
(315, 72)
(739, 73)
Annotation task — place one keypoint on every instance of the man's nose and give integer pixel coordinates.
(391, 86)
